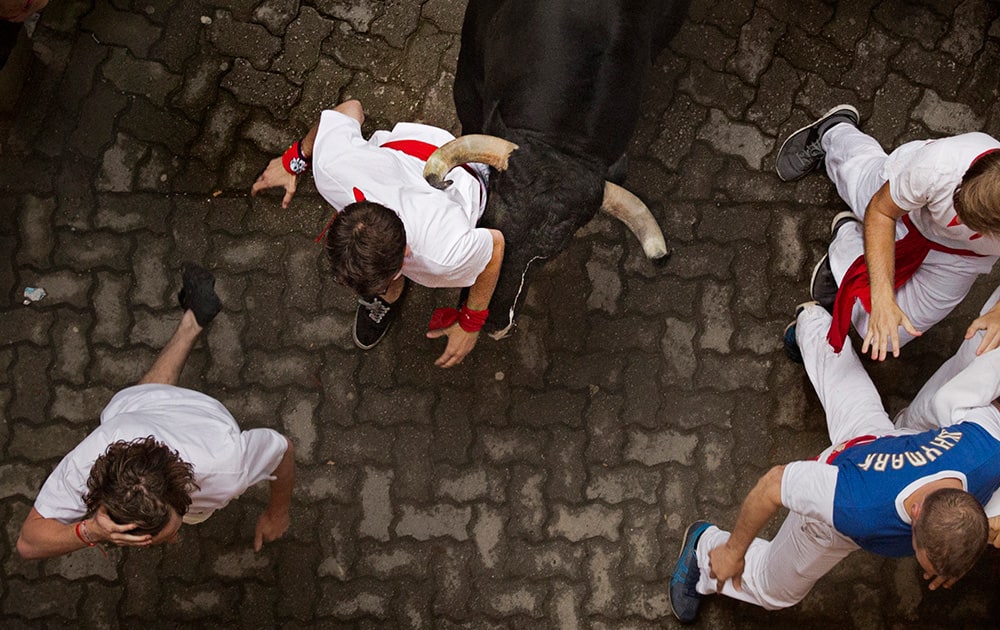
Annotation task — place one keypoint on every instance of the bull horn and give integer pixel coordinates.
(472, 148)
(630, 210)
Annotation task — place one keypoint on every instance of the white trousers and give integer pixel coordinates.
(854, 162)
(962, 382)
(781, 572)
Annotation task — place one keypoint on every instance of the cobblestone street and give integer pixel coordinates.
(547, 482)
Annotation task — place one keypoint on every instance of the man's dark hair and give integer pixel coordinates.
(953, 529)
(366, 245)
(138, 482)
(977, 199)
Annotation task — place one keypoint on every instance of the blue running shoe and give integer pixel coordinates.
(788, 337)
(684, 598)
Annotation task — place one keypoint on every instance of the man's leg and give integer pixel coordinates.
(854, 164)
(201, 305)
(853, 406)
(779, 573)
(169, 363)
(962, 381)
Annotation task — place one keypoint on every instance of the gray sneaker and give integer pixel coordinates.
(802, 152)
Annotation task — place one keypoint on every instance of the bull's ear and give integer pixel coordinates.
(630, 210)
(472, 148)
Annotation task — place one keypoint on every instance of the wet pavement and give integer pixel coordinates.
(545, 484)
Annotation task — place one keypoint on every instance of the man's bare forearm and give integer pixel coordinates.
(481, 292)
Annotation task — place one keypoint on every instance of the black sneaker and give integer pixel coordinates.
(198, 294)
(802, 152)
(374, 318)
(823, 286)
(788, 339)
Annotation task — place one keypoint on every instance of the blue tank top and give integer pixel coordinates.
(871, 476)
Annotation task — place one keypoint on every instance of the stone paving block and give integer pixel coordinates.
(84, 564)
(400, 406)
(547, 408)
(146, 121)
(488, 534)
(218, 129)
(755, 48)
(604, 578)
(507, 598)
(320, 90)
(618, 485)
(276, 15)
(41, 444)
(716, 318)
(870, 62)
(132, 213)
(36, 230)
(587, 521)
(192, 602)
(302, 41)
(118, 368)
(647, 600)
(181, 34)
(338, 541)
(412, 464)
(556, 558)
(376, 504)
(78, 405)
(287, 368)
(567, 475)
(28, 324)
(420, 67)
(440, 520)
(735, 372)
(328, 482)
(355, 599)
(947, 118)
(243, 563)
(154, 330)
(34, 600)
(118, 164)
(464, 485)
(96, 119)
(112, 316)
(507, 445)
(399, 559)
(22, 480)
(255, 87)
(141, 77)
(445, 14)
(201, 84)
(100, 606)
(236, 38)
(30, 397)
(528, 511)
(299, 419)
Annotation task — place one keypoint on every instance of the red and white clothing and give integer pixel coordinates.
(780, 572)
(226, 461)
(446, 247)
(922, 177)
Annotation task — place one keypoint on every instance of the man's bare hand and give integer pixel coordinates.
(725, 563)
(270, 527)
(994, 537)
(274, 176)
(460, 343)
(102, 529)
(883, 330)
(990, 322)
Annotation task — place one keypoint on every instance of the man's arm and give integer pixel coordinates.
(167, 368)
(880, 250)
(760, 505)
(274, 521)
(460, 342)
(46, 537)
(275, 174)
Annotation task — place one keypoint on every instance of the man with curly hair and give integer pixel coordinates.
(162, 456)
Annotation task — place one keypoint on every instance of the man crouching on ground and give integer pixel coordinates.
(162, 456)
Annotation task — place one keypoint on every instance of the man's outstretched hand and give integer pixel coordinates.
(274, 176)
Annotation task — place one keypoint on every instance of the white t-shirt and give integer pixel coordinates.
(923, 176)
(808, 487)
(225, 460)
(446, 247)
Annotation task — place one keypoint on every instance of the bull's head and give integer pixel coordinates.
(538, 220)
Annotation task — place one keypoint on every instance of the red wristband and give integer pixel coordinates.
(294, 160)
(84, 539)
(472, 321)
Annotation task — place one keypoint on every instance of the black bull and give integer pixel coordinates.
(559, 81)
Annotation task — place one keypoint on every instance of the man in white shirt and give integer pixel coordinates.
(894, 491)
(162, 456)
(925, 224)
(390, 225)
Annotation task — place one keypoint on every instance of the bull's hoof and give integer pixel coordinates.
(435, 180)
(661, 261)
